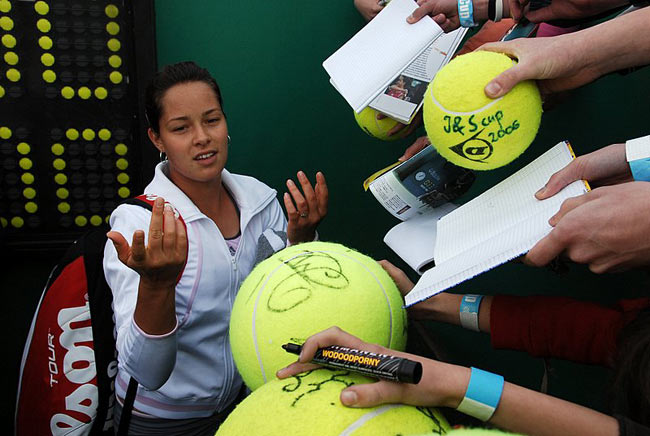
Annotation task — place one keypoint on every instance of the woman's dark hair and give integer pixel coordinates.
(630, 389)
(182, 72)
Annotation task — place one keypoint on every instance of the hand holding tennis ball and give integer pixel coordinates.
(472, 130)
(309, 404)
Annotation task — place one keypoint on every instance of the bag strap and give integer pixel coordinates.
(127, 409)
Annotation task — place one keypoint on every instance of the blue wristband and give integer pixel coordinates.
(637, 152)
(640, 169)
(483, 394)
(469, 307)
(466, 13)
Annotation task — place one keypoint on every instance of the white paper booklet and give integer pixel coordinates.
(502, 223)
(414, 240)
(367, 64)
(404, 96)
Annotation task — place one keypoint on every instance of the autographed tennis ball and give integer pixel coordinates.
(367, 120)
(303, 290)
(308, 404)
(472, 130)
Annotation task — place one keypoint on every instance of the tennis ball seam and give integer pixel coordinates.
(363, 419)
(474, 112)
(284, 263)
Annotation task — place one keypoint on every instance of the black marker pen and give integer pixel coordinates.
(364, 362)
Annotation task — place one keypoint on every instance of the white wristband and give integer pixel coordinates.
(498, 10)
(637, 152)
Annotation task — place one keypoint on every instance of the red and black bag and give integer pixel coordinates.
(67, 375)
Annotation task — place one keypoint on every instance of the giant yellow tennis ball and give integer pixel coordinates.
(303, 290)
(472, 130)
(367, 120)
(308, 404)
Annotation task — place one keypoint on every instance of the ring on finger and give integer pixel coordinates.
(304, 214)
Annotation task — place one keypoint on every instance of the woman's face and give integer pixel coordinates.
(193, 133)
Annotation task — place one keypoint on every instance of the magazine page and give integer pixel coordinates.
(414, 240)
(421, 183)
(404, 96)
(371, 59)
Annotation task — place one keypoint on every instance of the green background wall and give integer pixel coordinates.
(285, 116)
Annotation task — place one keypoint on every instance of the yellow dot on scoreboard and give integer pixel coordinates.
(111, 11)
(67, 92)
(121, 149)
(61, 179)
(123, 178)
(31, 207)
(84, 92)
(4, 222)
(5, 6)
(45, 42)
(49, 76)
(57, 149)
(17, 222)
(41, 8)
(23, 148)
(81, 220)
(29, 193)
(62, 193)
(122, 164)
(11, 58)
(13, 74)
(115, 61)
(58, 164)
(72, 134)
(116, 77)
(104, 134)
(88, 134)
(6, 23)
(101, 93)
(124, 192)
(5, 132)
(2, 92)
(47, 59)
(113, 44)
(9, 41)
(27, 178)
(63, 207)
(25, 163)
(112, 28)
(107, 219)
(96, 220)
(44, 25)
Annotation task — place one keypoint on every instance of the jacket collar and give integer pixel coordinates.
(250, 195)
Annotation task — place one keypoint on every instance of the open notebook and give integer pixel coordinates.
(502, 223)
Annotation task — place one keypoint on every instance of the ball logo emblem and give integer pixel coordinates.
(475, 149)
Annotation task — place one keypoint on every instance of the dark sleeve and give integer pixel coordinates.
(561, 327)
(627, 427)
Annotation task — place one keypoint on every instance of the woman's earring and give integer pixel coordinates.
(163, 156)
(229, 141)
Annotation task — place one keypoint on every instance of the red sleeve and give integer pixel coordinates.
(561, 327)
